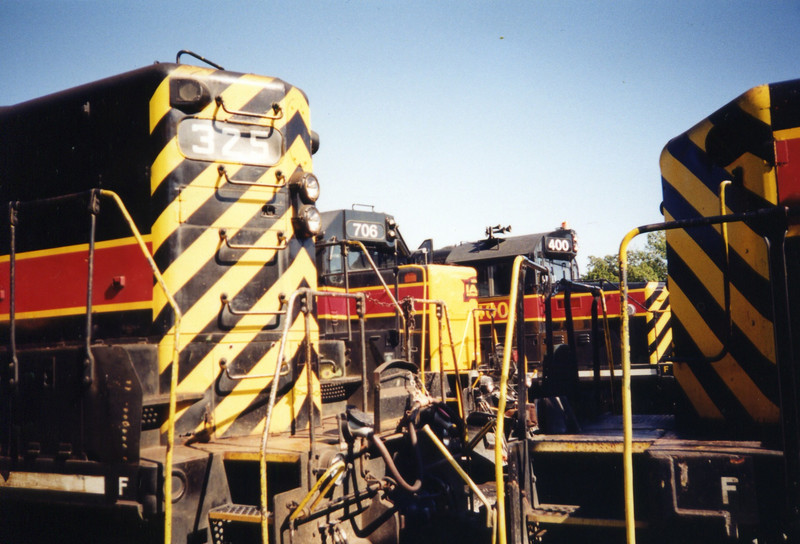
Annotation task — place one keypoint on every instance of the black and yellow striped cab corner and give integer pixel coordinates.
(742, 158)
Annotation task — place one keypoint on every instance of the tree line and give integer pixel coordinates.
(648, 264)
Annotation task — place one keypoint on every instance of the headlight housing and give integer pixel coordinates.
(391, 228)
(306, 185)
(309, 221)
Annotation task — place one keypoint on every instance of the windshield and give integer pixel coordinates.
(356, 260)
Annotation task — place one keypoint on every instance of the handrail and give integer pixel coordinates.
(476, 328)
(459, 397)
(519, 261)
(198, 57)
(93, 194)
(627, 419)
(12, 256)
(597, 292)
(173, 383)
(327, 479)
(383, 283)
(627, 413)
(273, 392)
(490, 513)
(464, 337)
(226, 303)
(726, 291)
(607, 341)
(374, 267)
(443, 312)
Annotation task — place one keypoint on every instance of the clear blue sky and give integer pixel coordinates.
(450, 115)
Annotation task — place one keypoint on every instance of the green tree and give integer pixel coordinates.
(648, 264)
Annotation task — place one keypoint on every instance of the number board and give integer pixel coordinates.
(209, 140)
(365, 230)
(559, 246)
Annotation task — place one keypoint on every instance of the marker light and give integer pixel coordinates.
(188, 94)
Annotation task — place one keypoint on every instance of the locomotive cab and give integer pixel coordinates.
(421, 313)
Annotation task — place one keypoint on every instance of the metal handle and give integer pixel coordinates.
(226, 303)
(278, 176)
(283, 370)
(282, 242)
(276, 108)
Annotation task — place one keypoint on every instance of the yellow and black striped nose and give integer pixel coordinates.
(224, 233)
(719, 276)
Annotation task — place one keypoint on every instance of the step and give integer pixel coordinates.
(241, 513)
(551, 513)
(567, 514)
(236, 523)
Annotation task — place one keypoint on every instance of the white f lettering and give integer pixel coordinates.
(728, 484)
(123, 483)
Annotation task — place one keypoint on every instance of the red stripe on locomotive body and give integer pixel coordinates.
(55, 281)
(788, 171)
(534, 309)
(581, 306)
(377, 304)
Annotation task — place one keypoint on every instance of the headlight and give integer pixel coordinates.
(309, 220)
(391, 228)
(307, 185)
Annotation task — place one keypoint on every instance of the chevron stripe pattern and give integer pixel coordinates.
(226, 244)
(725, 360)
(659, 332)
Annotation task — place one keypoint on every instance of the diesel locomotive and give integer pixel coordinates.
(185, 351)
(578, 320)
(724, 466)
(161, 359)
(422, 313)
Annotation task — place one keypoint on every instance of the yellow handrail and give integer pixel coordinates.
(627, 418)
(627, 414)
(173, 383)
(459, 399)
(328, 478)
(477, 334)
(501, 405)
(490, 514)
(499, 438)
